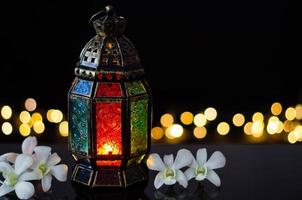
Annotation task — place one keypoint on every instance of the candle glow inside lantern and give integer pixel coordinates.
(109, 109)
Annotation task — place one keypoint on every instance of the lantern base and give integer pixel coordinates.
(85, 175)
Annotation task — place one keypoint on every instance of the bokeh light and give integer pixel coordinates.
(299, 112)
(238, 119)
(174, 131)
(7, 128)
(30, 104)
(292, 137)
(276, 108)
(290, 113)
(273, 125)
(187, 118)
(166, 120)
(288, 126)
(248, 128)
(56, 116)
(200, 132)
(257, 128)
(24, 130)
(210, 113)
(24, 117)
(157, 133)
(6, 112)
(200, 120)
(223, 128)
(258, 116)
(38, 127)
(63, 128)
(36, 117)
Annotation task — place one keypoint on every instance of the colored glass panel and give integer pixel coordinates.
(109, 90)
(109, 128)
(83, 87)
(79, 124)
(135, 88)
(108, 163)
(139, 125)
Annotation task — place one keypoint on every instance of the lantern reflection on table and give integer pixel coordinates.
(109, 109)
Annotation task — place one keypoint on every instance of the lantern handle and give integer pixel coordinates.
(109, 10)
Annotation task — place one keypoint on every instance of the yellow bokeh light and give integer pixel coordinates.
(7, 128)
(6, 112)
(290, 113)
(288, 126)
(280, 127)
(186, 118)
(30, 104)
(24, 130)
(166, 120)
(258, 116)
(238, 119)
(298, 132)
(157, 133)
(36, 117)
(223, 128)
(276, 108)
(200, 120)
(257, 128)
(63, 128)
(210, 113)
(48, 115)
(56, 116)
(299, 112)
(200, 132)
(38, 127)
(24, 117)
(248, 128)
(292, 137)
(176, 130)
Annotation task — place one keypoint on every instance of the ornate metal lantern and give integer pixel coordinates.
(109, 108)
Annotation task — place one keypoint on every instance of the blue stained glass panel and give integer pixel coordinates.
(83, 87)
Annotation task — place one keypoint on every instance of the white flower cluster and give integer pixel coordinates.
(199, 168)
(35, 163)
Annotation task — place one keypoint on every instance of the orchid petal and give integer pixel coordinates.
(181, 178)
(60, 172)
(4, 189)
(53, 159)
(159, 180)
(42, 153)
(190, 173)
(201, 156)
(23, 162)
(28, 145)
(10, 157)
(183, 158)
(154, 162)
(217, 160)
(31, 176)
(169, 180)
(168, 160)
(24, 190)
(46, 182)
(213, 177)
(5, 168)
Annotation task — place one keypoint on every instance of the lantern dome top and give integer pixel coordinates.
(109, 55)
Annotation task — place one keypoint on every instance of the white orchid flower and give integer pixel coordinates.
(169, 170)
(16, 178)
(201, 169)
(28, 146)
(46, 165)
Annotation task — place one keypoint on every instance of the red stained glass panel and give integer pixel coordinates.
(108, 163)
(109, 128)
(109, 90)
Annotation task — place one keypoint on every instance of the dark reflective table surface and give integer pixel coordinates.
(251, 172)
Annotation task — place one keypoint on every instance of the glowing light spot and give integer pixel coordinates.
(273, 125)
(63, 128)
(290, 113)
(276, 108)
(292, 137)
(200, 120)
(298, 132)
(280, 127)
(36, 117)
(38, 127)
(157, 133)
(109, 148)
(210, 113)
(186, 118)
(56, 116)
(24, 130)
(24, 117)
(257, 128)
(174, 131)
(200, 132)
(299, 112)
(288, 126)
(223, 128)
(248, 128)
(7, 128)
(48, 115)
(6, 112)
(166, 120)
(30, 104)
(238, 119)
(258, 116)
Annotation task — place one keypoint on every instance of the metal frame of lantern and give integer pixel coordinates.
(110, 109)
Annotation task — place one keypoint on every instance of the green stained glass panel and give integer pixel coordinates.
(79, 124)
(135, 88)
(139, 125)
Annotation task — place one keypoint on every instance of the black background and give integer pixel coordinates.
(234, 55)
